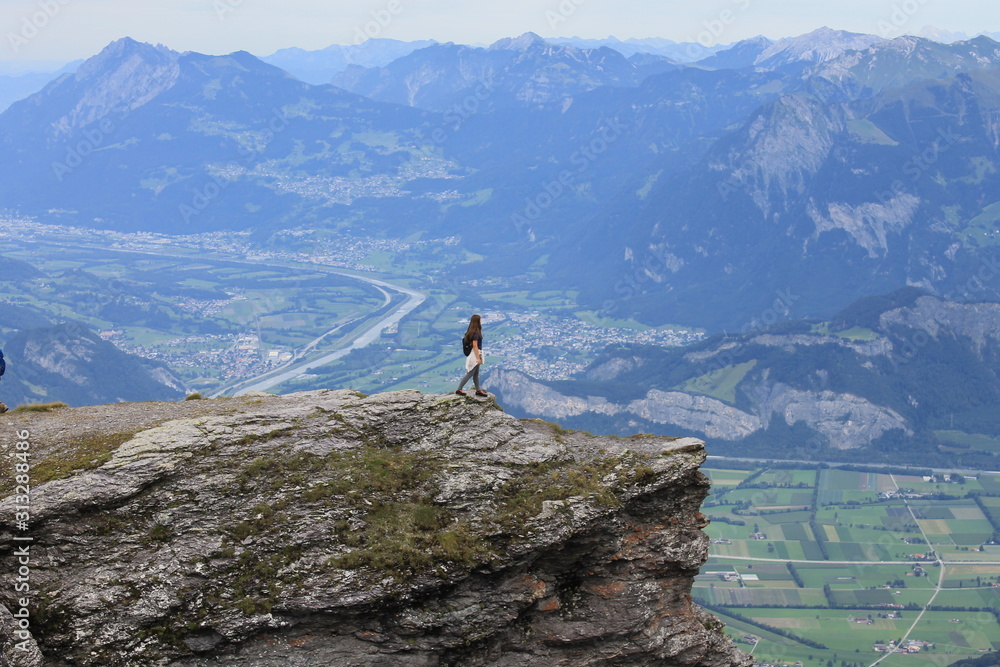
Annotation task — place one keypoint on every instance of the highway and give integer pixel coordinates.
(833, 464)
(754, 559)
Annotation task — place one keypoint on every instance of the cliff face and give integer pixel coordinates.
(328, 528)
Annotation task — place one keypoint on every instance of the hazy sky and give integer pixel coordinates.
(70, 29)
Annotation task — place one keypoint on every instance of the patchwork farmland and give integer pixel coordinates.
(835, 566)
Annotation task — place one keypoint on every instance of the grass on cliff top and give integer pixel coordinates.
(40, 407)
(79, 454)
(389, 524)
(390, 490)
(524, 496)
(409, 534)
(402, 539)
(364, 470)
(385, 518)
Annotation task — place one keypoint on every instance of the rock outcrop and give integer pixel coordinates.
(847, 421)
(329, 528)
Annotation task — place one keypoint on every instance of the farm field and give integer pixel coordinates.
(817, 565)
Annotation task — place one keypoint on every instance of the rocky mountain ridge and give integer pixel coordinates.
(867, 160)
(318, 67)
(817, 46)
(520, 71)
(332, 528)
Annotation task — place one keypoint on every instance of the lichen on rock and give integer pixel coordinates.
(329, 528)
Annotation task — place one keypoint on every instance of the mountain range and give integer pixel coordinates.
(874, 170)
(681, 52)
(523, 71)
(835, 164)
(319, 67)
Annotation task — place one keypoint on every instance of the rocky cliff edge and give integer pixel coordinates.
(330, 528)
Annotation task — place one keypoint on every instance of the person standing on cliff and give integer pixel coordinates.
(3, 369)
(472, 345)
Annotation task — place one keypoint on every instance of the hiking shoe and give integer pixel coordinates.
(481, 393)
(460, 392)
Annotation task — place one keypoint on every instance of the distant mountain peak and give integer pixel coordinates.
(739, 55)
(127, 47)
(905, 44)
(123, 50)
(523, 70)
(526, 41)
(686, 52)
(826, 31)
(942, 36)
(905, 59)
(818, 46)
(984, 40)
(319, 67)
(124, 75)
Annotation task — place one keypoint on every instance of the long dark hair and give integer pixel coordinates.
(475, 327)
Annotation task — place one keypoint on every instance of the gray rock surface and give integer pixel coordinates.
(848, 421)
(329, 528)
(17, 645)
(979, 322)
(696, 413)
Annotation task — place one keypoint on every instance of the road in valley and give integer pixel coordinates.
(937, 589)
(365, 336)
(834, 464)
(754, 559)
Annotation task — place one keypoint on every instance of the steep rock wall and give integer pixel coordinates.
(329, 528)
